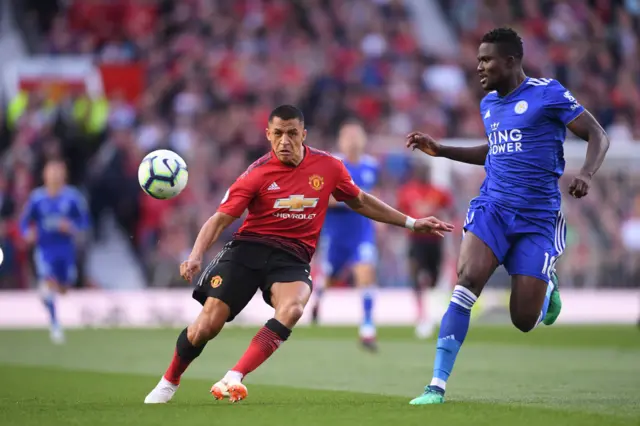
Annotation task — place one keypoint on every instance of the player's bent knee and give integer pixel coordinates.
(204, 329)
(289, 313)
(470, 281)
(525, 323)
(210, 321)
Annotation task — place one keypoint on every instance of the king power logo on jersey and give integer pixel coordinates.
(295, 203)
(504, 141)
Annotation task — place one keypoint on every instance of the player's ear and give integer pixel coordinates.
(304, 134)
(267, 133)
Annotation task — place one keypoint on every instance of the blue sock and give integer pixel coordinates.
(547, 299)
(50, 304)
(48, 299)
(367, 306)
(453, 330)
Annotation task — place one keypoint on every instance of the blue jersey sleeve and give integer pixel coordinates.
(560, 104)
(29, 216)
(80, 212)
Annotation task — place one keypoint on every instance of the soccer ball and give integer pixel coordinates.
(163, 174)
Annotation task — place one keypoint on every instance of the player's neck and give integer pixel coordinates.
(54, 190)
(512, 84)
(353, 157)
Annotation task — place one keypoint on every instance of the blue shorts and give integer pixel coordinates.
(59, 268)
(525, 242)
(337, 257)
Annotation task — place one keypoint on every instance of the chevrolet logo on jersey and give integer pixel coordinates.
(295, 203)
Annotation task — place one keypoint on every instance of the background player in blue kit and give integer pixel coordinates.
(516, 219)
(348, 239)
(52, 219)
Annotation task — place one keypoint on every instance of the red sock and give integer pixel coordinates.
(176, 369)
(262, 346)
(184, 354)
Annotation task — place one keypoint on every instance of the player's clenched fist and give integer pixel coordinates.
(423, 142)
(189, 268)
(432, 225)
(579, 187)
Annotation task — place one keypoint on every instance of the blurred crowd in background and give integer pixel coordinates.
(213, 70)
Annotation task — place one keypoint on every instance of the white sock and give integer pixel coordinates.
(233, 376)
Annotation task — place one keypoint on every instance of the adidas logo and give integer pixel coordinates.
(273, 187)
(488, 114)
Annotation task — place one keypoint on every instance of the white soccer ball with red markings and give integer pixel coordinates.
(163, 174)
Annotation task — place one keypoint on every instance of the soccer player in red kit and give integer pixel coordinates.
(287, 193)
(419, 197)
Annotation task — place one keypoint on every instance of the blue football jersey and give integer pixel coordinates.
(342, 223)
(526, 130)
(46, 212)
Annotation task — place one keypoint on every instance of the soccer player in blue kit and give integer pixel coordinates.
(53, 217)
(348, 239)
(516, 220)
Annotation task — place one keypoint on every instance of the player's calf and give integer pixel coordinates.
(289, 300)
(189, 345)
(365, 277)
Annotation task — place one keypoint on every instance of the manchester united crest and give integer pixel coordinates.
(216, 281)
(316, 182)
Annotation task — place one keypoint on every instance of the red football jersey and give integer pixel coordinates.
(287, 205)
(419, 199)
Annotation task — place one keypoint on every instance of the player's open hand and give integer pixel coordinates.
(432, 225)
(423, 142)
(65, 226)
(579, 186)
(190, 268)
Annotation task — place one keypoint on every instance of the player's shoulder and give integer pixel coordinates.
(536, 86)
(318, 152)
(369, 160)
(325, 156)
(37, 194)
(72, 192)
(260, 162)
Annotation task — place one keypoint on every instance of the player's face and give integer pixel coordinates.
(493, 68)
(55, 174)
(287, 137)
(351, 140)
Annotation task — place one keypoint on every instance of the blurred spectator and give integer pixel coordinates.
(214, 69)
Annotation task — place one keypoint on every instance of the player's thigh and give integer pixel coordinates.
(484, 245)
(530, 263)
(526, 300)
(476, 263)
(284, 268)
(364, 264)
(535, 251)
(231, 282)
(337, 257)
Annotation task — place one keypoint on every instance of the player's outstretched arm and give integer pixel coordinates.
(425, 143)
(586, 127)
(209, 234)
(375, 209)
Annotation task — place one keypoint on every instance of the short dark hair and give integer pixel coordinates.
(508, 41)
(286, 112)
(351, 120)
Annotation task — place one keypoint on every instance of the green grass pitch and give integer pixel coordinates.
(556, 375)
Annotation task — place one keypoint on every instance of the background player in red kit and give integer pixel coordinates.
(419, 197)
(287, 193)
